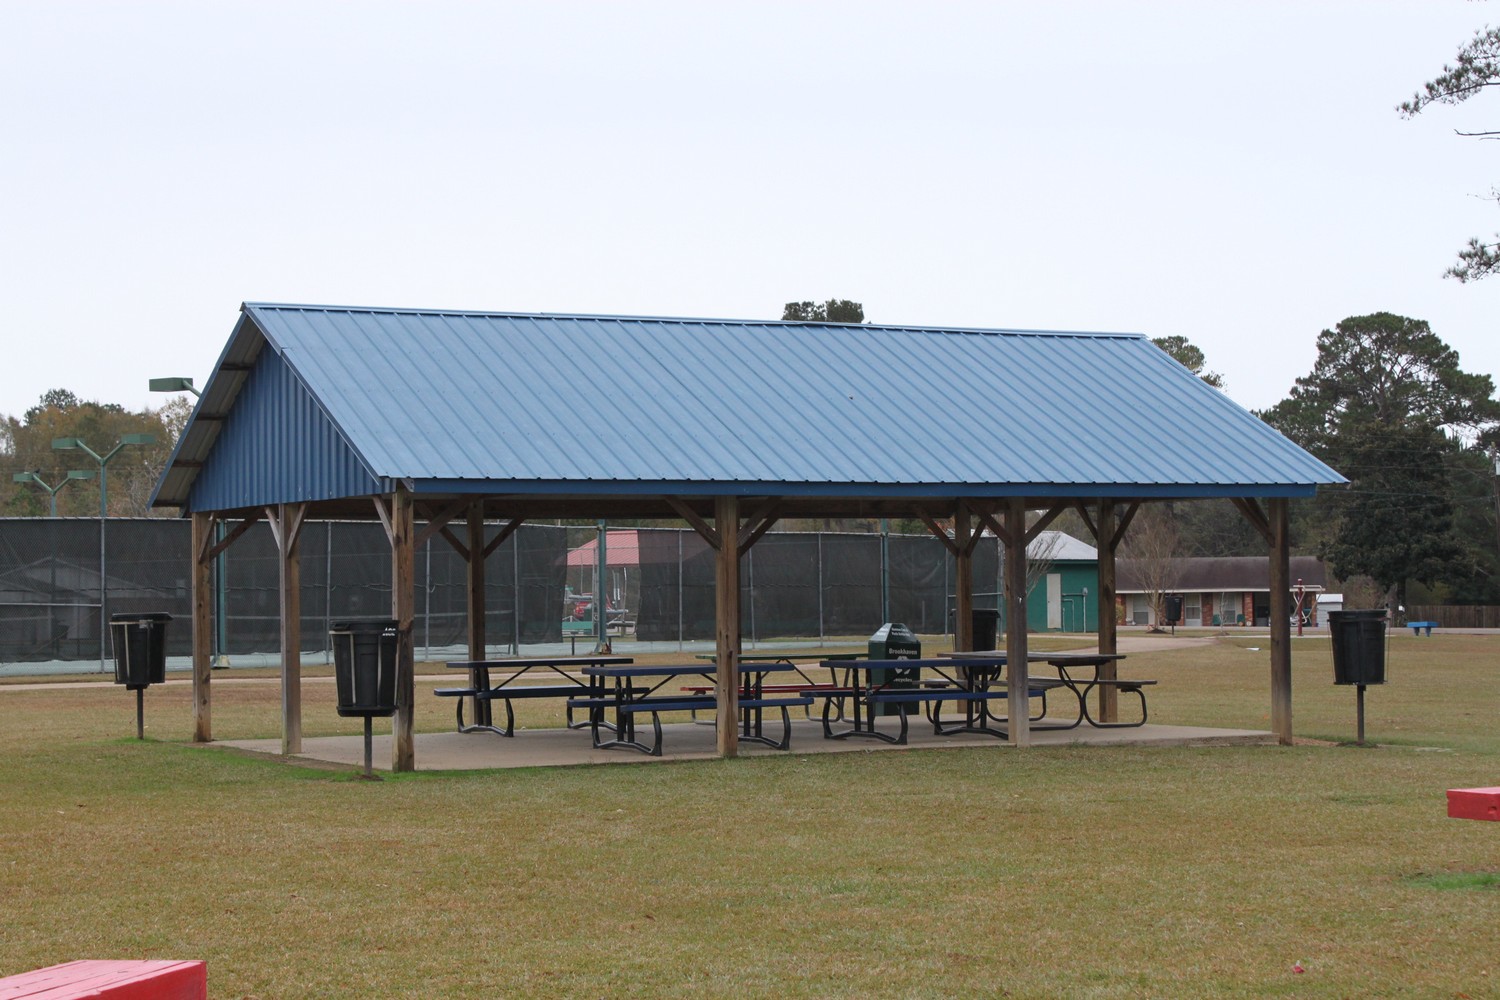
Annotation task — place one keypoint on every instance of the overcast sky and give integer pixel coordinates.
(1231, 172)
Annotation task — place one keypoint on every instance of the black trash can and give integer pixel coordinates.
(364, 666)
(986, 622)
(1173, 604)
(1358, 646)
(140, 642)
(894, 641)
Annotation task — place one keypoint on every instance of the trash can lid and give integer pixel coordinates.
(363, 625)
(140, 616)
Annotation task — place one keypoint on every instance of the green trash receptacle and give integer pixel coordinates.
(894, 641)
(1358, 646)
(364, 666)
(140, 645)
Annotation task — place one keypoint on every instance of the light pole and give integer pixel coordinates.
(32, 477)
(71, 444)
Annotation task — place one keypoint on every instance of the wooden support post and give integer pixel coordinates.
(1109, 701)
(1017, 671)
(963, 580)
(474, 556)
(727, 628)
(1281, 624)
(403, 609)
(286, 525)
(203, 626)
(477, 638)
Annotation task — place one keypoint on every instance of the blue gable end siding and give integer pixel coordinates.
(278, 446)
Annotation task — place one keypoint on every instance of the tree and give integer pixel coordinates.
(1152, 546)
(1477, 68)
(1385, 370)
(26, 446)
(1185, 353)
(1388, 405)
(832, 311)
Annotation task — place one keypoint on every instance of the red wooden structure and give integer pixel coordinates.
(1464, 803)
(110, 980)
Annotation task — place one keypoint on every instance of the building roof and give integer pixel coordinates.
(621, 548)
(1059, 546)
(312, 403)
(1225, 574)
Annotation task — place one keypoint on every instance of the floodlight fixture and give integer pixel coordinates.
(173, 384)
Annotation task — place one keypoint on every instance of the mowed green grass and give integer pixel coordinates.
(1076, 872)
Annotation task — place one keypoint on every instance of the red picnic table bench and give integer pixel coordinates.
(110, 980)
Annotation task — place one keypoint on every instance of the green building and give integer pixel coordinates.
(1063, 577)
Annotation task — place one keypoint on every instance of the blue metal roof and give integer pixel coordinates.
(467, 402)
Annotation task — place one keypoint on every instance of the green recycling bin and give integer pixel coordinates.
(894, 641)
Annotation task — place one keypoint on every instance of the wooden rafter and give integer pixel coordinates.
(383, 511)
(988, 520)
(759, 523)
(1088, 520)
(702, 527)
(454, 541)
(1125, 519)
(1042, 522)
(1257, 517)
(436, 522)
(505, 532)
(234, 535)
(937, 530)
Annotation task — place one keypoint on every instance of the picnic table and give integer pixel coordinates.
(875, 682)
(484, 695)
(807, 685)
(1081, 687)
(628, 690)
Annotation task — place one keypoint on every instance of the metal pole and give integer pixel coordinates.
(820, 588)
(427, 601)
(103, 560)
(750, 563)
(369, 747)
(601, 566)
(1360, 703)
(515, 591)
(221, 600)
(327, 590)
(680, 533)
(140, 713)
(885, 569)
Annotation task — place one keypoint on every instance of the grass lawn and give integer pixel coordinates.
(1077, 872)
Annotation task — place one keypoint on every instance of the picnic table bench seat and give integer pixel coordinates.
(1136, 687)
(596, 706)
(507, 693)
(933, 696)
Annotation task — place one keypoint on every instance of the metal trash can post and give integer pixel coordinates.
(140, 647)
(364, 670)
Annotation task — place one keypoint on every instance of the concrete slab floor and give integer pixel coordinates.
(451, 751)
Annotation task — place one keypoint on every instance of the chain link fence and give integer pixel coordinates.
(809, 586)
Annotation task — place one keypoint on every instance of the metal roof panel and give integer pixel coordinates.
(597, 401)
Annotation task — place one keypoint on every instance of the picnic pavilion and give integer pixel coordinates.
(447, 423)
